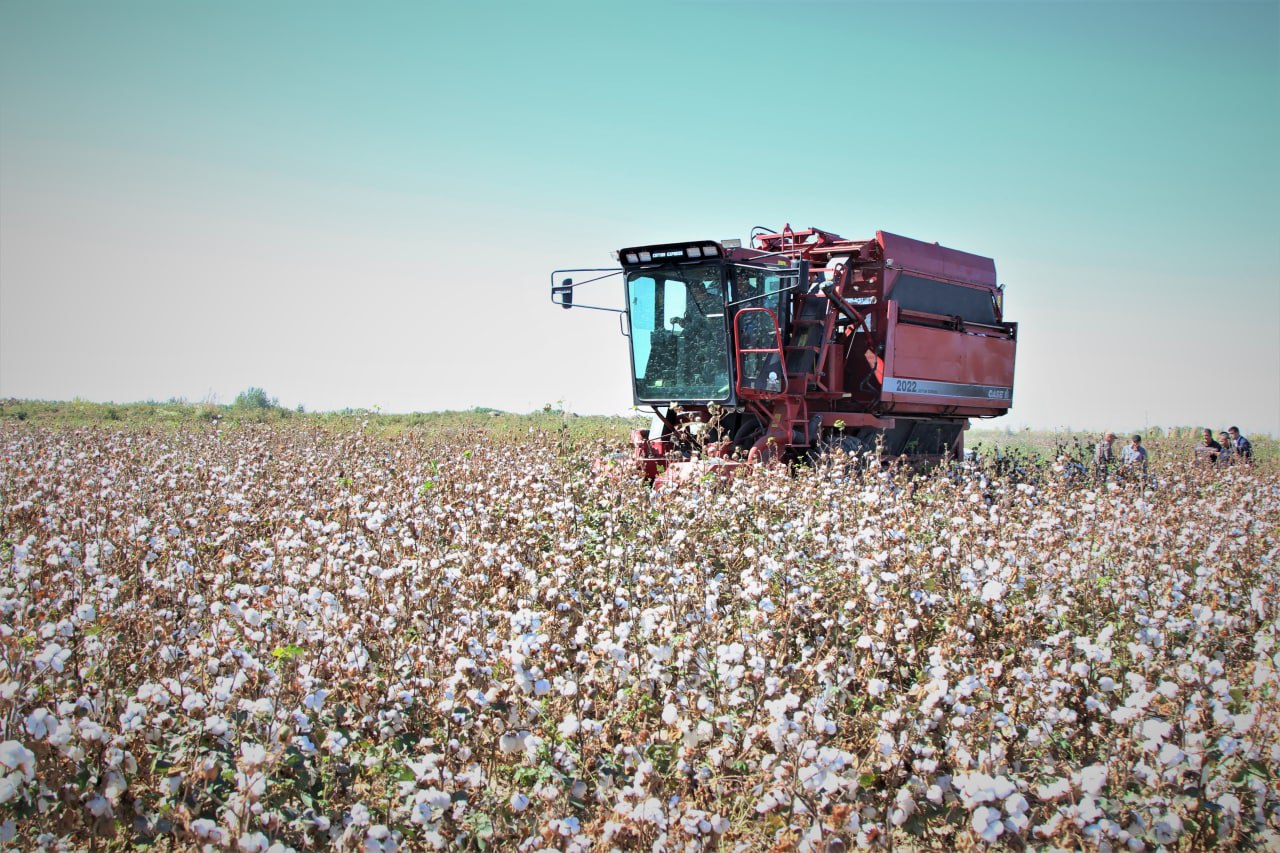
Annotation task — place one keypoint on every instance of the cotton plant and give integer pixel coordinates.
(269, 638)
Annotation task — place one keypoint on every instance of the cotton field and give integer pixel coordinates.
(283, 637)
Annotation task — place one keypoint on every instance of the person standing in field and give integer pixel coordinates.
(1104, 456)
(1228, 454)
(1244, 449)
(1208, 451)
(1135, 456)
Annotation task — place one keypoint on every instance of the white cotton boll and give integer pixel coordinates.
(670, 713)
(1002, 788)
(1171, 754)
(252, 785)
(877, 687)
(660, 654)
(14, 757)
(1093, 778)
(172, 784)
(986, 822)
(541, 687)
(1054, 790)
(1241, 724)
(1154, 732)
(115, 786)
(974, 788)
(207, 830)
(252, 755)
(569, 688)
(1125, 715)
(53, 656)
(1230, 805)
(904, 806)
(731, 653)
(569, 726)
(993, 591)
(822, 725)
(519, 802)
(40, 724)
(253, 842)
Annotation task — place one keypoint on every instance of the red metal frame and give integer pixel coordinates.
(867, 365)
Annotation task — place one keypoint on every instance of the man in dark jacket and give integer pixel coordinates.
(1244, 449)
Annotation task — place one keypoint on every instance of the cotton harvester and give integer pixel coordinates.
(804, 343)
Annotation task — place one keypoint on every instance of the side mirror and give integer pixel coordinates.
(562, 294)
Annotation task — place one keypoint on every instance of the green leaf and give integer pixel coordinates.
(287, 652)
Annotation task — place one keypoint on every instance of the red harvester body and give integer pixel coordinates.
(807, 342)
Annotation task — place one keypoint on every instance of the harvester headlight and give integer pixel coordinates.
(694, 252)
(631, 258)
(645, 257)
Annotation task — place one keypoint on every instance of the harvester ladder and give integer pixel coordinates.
(800, 428)
(812, 329)
(788, 420)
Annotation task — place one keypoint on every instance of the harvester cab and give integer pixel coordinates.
(805, 342)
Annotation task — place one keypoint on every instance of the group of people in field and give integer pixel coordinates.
(1133, 458)
(1230, 448)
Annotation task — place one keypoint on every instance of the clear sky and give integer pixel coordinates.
(359, 204)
